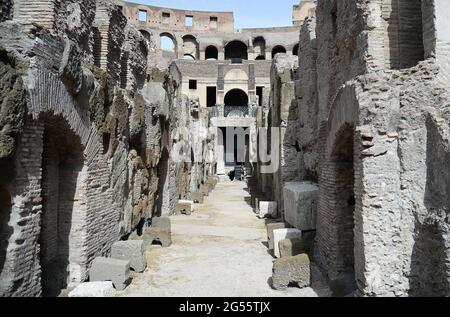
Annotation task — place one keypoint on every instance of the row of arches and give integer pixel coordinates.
(235, 49)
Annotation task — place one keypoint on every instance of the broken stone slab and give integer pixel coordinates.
(270, 228)
(184, 207)
(198, 197)
(132, 250)
(94, 289)
(159, 232)
(268, 209)
(281, 234)
(295, 270)
(109, 269)
(300, 204)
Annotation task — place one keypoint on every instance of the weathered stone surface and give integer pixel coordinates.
(292, 271)
(281, 234)
(300, 204)
(94, 289)
(292, 247)
(268, 209)
(158, 232)
(184, 207)
(198, 197)
(133, 251)
(271, 227)
(108, 269)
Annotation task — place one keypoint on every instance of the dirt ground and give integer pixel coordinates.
(219, 251)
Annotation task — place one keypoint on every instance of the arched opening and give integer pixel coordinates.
(190, 46)
(295, 49)
(163, 184)
(5, 229)
(189, 57)
(342, 194)
(236, 50)
(146, 35)
(259, 46)
(168, 45)
(236, 103)
(211, 53)
(236, 98)
(64, 202)
(278, 50)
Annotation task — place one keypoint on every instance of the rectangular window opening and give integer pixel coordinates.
(189, 21)
(142, 16)
(211, 96)
(192, 84)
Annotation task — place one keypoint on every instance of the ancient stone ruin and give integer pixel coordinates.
(117, 119)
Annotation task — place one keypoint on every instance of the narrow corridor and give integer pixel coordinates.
(217, 251)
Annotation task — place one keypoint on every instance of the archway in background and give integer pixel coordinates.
(278, 50)
(259, 46)
(146, 35)
(190, 46)
(64, 187)
(211, 53)
(168, 42)
(236, 98)
(295, 49)
(236, 50)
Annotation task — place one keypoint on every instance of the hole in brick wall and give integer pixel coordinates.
(259, 47)
(404, 38)
(5, 230)
(189, 21)
(63, 196)
(146, 35)
(295, 49)
(342, 196)
(142, 16)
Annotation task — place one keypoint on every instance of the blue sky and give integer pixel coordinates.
(247, 13)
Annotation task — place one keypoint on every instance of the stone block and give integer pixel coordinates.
(281, 234)
(198, 197)
(133, 251)
(184, 207)
(204, 189)
(300, 204)
(295, 270)
(158, 232)
(94, 289)
(268, 209)
(270, 228)
(292, 247)
(114, 270)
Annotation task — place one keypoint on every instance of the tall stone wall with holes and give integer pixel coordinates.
(381, 75)
(80, 67)
(283, 116)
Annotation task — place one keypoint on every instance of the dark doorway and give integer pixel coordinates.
(260, 94)
(211, 96)
(63, 195)
(211, 53)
